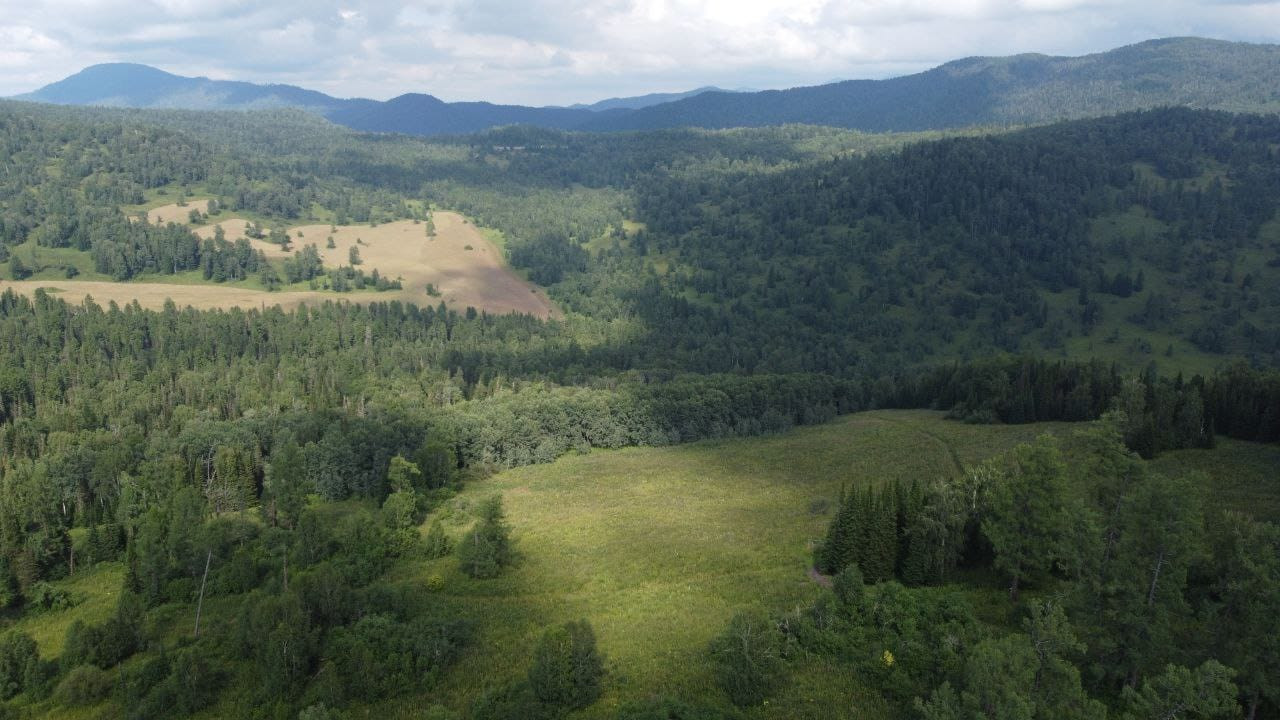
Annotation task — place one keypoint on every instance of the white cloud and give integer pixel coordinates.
(561, 51)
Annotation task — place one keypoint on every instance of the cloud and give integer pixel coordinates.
(562, 51)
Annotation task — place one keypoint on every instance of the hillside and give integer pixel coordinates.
(1018, 90)
(1147, 238)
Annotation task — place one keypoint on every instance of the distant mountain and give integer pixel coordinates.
(1191, 72)
(142, 86)
(1021, 89)
(643, 101)
(131, 85)
(417, 114)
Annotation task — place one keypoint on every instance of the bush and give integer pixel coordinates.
(848, 585)
(378, 657)
(567, 668)
(436, 544)
(84, 685)
(107, 644)
(43, 597)
(19, 663)
(748, 658)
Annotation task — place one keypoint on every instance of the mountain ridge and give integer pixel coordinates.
(1010, 90)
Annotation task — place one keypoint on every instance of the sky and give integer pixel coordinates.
(558, 52)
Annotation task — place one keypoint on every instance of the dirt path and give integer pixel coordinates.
(819, 578)
(951, 451)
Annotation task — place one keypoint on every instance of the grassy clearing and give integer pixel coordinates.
(52, 263)
(96, 591)
(1245, 476)
(658, 547)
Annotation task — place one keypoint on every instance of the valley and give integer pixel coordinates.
(947, 396)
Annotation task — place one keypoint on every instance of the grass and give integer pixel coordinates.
(52, 262)
(659, 547)
(96, 591)
(1245, 476)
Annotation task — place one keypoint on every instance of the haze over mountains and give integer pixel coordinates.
(1020, 89)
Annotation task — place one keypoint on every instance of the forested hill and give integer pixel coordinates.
(142, 86)
(1143, 235)
(1022, 89)
(1016, 90)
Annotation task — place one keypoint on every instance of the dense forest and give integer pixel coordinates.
(715, 284)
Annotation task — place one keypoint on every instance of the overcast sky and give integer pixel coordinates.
(540, 52)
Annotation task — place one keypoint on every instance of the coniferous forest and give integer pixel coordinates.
(227, 500)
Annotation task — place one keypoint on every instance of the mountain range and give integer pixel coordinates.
(1020, 89)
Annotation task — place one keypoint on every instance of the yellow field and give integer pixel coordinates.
(174, 213)
(465, 267)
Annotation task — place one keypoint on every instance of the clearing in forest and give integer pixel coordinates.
(464, 268)
(659, 547)
(175, 213)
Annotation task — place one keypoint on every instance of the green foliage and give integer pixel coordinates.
(436, 544)
(284, 488)
(18, 269)
(1139, 590)
(1248, 589)
(1203, 693)
(107, 644)
(747, 659)
(19, 663)
(863, 533)
(379, 657)
(1027, 520)
(567, 669)
(84, 685)
(486, 548)
(512, 701)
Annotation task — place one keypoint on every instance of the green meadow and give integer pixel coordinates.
(659, 547)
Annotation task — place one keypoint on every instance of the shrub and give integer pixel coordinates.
(84, 685)
(19, 663)
(436, 544)
(748, 658)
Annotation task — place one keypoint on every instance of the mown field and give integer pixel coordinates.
(659, 547)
